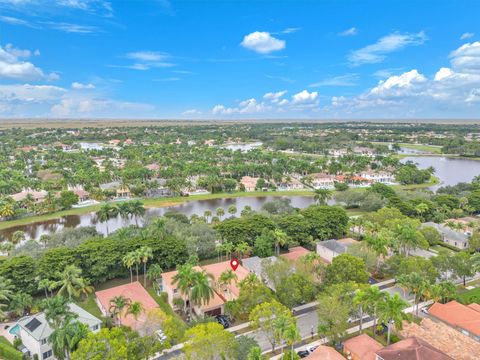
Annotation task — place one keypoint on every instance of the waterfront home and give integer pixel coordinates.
(249, 183)
(464, 318)
(373, 176)
(34, 331)
(37, 195)
(111, 186)
(134, 292)
(256, 265)
(330, 249)
(222, 292)
(83, 195)
(322, 181)
(459, 239)
(289, 184)
(123, 192)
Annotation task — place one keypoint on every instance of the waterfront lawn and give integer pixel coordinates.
(469, 296)
(432, 149)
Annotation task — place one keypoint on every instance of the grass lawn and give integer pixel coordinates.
(469, 296)
(422, 147)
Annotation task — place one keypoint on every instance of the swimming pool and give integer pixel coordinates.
(14, 330)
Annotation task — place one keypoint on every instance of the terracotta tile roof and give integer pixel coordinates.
(363, 347)
(295, 253)
(412, 348)
(458, 315)
(325, 353)
(133, 291)
(347, 241)
(444, 338)
(475, 307)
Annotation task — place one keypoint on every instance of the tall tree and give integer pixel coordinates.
(117, 305)
(145, 253)
(321, 196)
(391, 312)
(72, 283)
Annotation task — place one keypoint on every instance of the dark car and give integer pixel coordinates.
(223, 320)
(303, 353)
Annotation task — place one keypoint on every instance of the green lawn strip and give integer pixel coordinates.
(7, 351)
(469, 296)
(423, 147)
(89, 304)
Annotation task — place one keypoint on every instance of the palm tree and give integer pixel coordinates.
(226, 279)
(362, 301)
(280, 239)
(44, 284)
(421, 209)
(207, 214)
(202, 292)
(154, 272)
(228, 247)
(7, 209)
(135, 308)
(292, 335)
(136, 209)
(128, 261)
(72, 283)
(64, 340)
(18, 236)
(322, 196)
(7, 247)
(6, 292)
(107, 212)
(373, 298)
(256, 354)
(220, 212)
(280, 326)
(184, 279)
(232, 210)
(243, 249)
(145, 253)
(56, 311)
(117, 305)
(391, 311)
(21, 303)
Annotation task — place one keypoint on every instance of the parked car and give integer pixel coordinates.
(224, 321)
(303, 353)
(160, 335)
(424, 310)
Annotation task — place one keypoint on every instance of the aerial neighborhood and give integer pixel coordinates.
(230, 242)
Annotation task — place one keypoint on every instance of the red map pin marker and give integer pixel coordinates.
(234, 264)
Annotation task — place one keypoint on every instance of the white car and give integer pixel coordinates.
(160, 336)
(424, 310)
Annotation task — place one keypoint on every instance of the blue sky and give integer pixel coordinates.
(239, 59)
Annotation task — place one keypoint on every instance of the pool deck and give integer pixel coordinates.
(4, 332)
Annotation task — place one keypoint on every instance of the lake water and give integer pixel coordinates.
(450, 171)
(198, 207)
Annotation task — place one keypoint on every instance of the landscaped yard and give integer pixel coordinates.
(469, 296)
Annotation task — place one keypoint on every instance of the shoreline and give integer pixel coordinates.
(172, 201)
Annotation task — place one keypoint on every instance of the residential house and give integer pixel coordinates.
(37, 195)
(443, 337)
(464, 318)
(323, 352)
(330, 249)
(111, 186)
(34, 331)
(114, 142)
(123, 192)
(295, 253)
(361, 347)
(459, 239)
(338, 152)
(374, 176)
(256, 265)
(250, 183)
(411, 348)
(222, 293)
(289, 184)
(322, 181)
(134, 292)
(82, 194)
(360, 150)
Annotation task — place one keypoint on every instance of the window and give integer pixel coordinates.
(94, 327)
(47, 354)
(43, 341)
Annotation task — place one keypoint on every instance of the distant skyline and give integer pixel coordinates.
(239, 60)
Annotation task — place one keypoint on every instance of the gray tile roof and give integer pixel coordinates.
(448, 233)
(41, 330)
(334, 245)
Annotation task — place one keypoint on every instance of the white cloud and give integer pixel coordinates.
(398, 85)
(145, 60)
(80, 86)
(30, 93)
(305, 97)
(147, 56)
(290, 30)
(467, 35)
(341, 80)
(274, 97)
(15, 21)
(443, 73)
(192, 112)
(349, 32)
(13, 67)
(262, 42)
(376, 53)
(72, 28)
(467, 58)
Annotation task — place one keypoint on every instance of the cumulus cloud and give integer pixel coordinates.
(305, 97)
(397, 85)
(349, 32)
(80, 86)
(262, 42)
(467, 58)
(377, 52)
(467, 35)
(14, 66)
